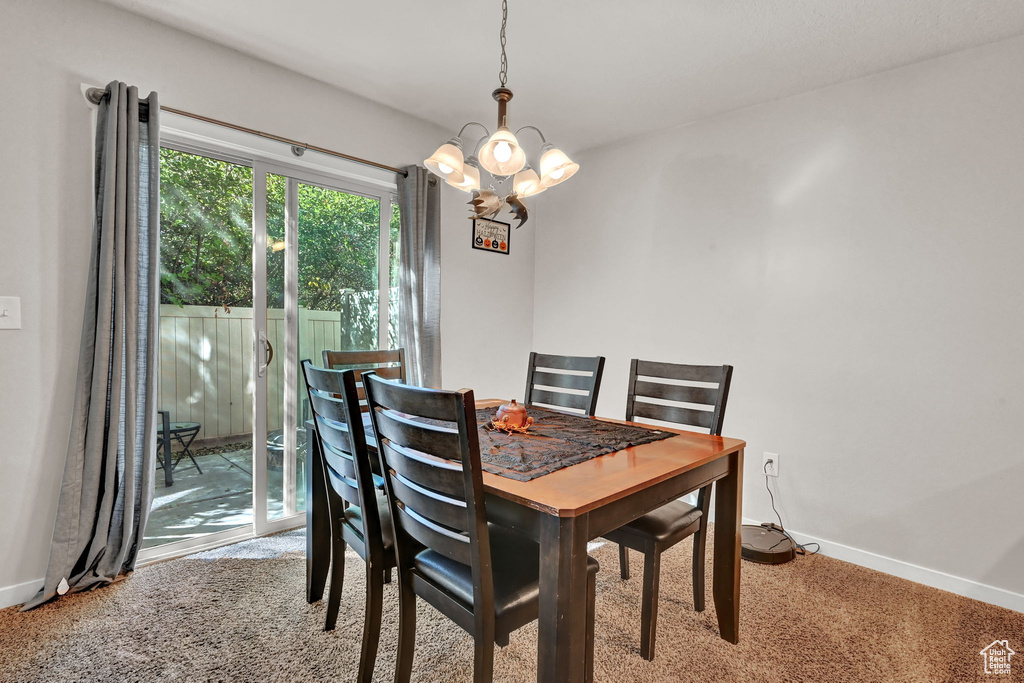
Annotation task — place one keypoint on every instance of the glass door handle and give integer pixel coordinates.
(267, 349)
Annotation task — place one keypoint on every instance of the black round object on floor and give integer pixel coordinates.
(765, 544)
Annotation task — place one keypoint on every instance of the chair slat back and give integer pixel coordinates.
(389, 364)
(432, 474)
(556, 381)
(339, 431)
(687, 395)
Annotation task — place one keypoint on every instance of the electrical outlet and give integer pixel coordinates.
(771, 464)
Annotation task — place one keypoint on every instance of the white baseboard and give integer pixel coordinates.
(19, 593)
(913, 572)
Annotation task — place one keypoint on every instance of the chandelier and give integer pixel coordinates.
(502, 157)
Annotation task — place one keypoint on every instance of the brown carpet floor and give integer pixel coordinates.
(815, 619)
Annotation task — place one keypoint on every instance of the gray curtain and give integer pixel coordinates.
(107, 488)
(419, 296)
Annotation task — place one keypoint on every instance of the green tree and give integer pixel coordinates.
(206, 237)
(338, 244)
(205, 231)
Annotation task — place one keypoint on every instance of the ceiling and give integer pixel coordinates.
(589, 72)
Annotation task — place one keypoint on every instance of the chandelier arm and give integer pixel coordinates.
(473, 123)
(479, 142)
(542, 138)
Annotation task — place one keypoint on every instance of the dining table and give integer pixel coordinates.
(565, 509)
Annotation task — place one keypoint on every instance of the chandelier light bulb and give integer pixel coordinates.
(555, 166)
(502, 151)
(493, 154)
(471, 179)
(447, 161)
(527, 183)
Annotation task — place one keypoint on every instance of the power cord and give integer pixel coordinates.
(800, 549)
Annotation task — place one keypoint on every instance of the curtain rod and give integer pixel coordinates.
(94, 95)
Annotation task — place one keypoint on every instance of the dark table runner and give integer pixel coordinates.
(554, 440)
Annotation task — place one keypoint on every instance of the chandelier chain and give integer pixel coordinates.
(503, 72)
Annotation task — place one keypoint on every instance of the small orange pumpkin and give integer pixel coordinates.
(513, 414)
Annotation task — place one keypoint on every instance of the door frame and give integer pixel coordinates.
(266, 156)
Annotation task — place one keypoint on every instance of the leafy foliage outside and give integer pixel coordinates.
(339, 244)
(205, 231)
(206, 238)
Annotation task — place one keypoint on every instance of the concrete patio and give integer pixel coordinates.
(218, 499)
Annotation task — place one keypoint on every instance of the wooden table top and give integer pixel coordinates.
(580, 488)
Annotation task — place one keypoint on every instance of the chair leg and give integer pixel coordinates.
(699, 543)
(623, 562)
(483, 659)
(406, 630)
(337, 581)
(387, 575)
(588, 675)
(371, 623)
(187, 451)
(649, 603)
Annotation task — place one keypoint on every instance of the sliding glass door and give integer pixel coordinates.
(204, 486)
(263, 264)
(329, 249)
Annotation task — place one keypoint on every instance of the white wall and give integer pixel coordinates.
(856, 253)
(491, 298)
(47, 49)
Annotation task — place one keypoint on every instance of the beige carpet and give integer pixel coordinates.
(222, 618)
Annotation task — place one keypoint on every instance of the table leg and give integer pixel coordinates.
(563, 599)
(728, 518)
(318, 526)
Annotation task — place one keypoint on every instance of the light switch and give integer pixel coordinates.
(10, 312)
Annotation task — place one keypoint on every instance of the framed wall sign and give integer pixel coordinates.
(490, 235)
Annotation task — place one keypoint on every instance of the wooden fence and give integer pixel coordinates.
(206, 361)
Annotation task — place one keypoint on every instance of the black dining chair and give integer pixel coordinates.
(562, 382)
(359, 513)
(704, 389)
(480, 575)
(389, 363)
